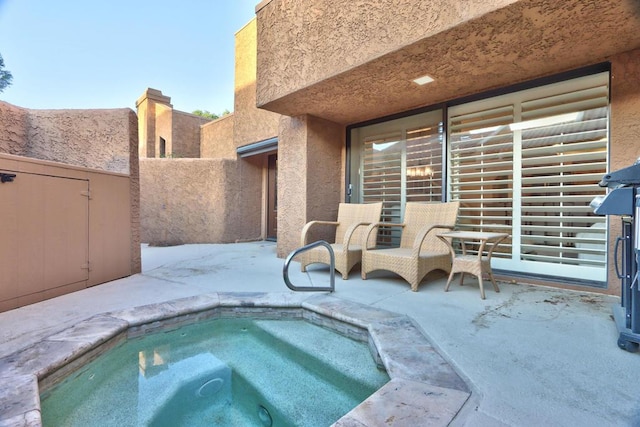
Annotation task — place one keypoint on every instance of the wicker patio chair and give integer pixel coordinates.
(420, 250)
(350, 227)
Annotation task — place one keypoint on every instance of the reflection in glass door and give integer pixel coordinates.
(397, 162)
(272, 197)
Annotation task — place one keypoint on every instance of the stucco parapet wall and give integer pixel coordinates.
(96, 139)
(216, 138)
(194, 201)
(224, 118)
(202, 119)
(251, 124)
(332, 60)
(13, 128)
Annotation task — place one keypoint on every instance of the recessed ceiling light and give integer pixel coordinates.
(423, 80)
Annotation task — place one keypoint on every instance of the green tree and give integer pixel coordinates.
(206, 114)
(5, 76)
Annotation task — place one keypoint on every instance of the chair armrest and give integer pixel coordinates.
(349, 234)
(309, 225)
(422, 234)
(390, 224)
(375, 226)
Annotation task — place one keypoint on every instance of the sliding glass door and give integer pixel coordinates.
(396, 162)
(526, 163)
(529, 163)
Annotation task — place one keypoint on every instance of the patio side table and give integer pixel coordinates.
(474, 264)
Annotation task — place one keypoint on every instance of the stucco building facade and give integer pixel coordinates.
(165, 132)
(528, 104)
(217, 193)
(340, 73)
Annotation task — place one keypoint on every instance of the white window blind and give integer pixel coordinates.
(424, 164)
(382, 180)
(564, 156)
(481, 170)
(401, 161)
(528, 164)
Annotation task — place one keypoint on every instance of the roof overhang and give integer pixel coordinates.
(526, 40)
(259, 147)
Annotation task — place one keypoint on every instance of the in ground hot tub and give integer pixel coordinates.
(220, 372)
(422, 384)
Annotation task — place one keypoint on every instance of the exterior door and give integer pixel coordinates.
(526, 163)
(272, 197)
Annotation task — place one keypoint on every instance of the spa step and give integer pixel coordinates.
(289, 392)
(303, 394)
(334, 357)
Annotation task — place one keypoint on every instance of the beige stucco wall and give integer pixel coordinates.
(204, 201)
(310, 176)
(163, 129)
(217, 200)
(158, 119)
(14, 129)
(146, 126)
(625, 133)
(144, 147)
(251, 124)
(217, 138)
(292, 189)
(149, 106)
(98, 139)
(134, 194)
(186, 134)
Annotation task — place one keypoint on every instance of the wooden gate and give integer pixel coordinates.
(44, 236)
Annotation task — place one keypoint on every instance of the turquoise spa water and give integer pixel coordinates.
(224, 372)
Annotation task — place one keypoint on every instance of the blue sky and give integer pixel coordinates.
(104, 54)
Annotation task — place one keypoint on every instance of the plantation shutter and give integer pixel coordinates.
(481, 170)
(563, 158)
(401, 161)
(382, 180)
(528, 164)
(424, 164)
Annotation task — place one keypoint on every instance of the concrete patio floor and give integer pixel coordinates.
(533, 356)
